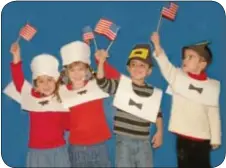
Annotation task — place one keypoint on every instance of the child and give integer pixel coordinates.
(132, 120)
(195, 117)
(88, 127)
(48, 119)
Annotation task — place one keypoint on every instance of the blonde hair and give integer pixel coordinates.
(64, 79)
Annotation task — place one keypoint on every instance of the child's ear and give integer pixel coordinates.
(128, 69)
(66, 71)
(34, 83)
(36, 89)
(203, 65)
(149, 71)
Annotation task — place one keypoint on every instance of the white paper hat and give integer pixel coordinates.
(75, 51)
(45, 64)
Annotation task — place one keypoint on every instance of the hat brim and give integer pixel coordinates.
(140, 59)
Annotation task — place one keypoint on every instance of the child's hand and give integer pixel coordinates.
(101, 56)
(15, 49)
(155, 39)
(157, 140)
(214, 146)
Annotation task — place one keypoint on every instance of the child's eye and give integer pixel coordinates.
(50, 80)
(187, 57)
(71, 70)
(132, 64)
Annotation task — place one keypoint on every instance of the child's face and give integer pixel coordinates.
(45, 85)
(138, 70)
(193, 62)
(77, 72)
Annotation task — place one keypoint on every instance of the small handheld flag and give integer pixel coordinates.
(27, 32)
(108, 29)
(102, 26)
(111, 33)
(88, 35)
(170, 13)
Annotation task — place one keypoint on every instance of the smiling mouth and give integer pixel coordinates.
(46, 90)
(77, 78)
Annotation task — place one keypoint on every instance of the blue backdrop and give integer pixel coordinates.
(61, 22)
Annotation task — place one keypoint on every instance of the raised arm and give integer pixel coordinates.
(108, 85)
(168, 70)
(110, 71)
(16, 67)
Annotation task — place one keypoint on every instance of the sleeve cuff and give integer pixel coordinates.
(17, 64)
(162, 53)
(215, 142)
(159, 115)
(100, 81)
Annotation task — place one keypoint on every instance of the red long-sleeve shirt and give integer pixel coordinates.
(88, 124)
(46, 128)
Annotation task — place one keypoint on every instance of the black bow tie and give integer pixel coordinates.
(191, 87)
(44, 102)
(82, 92)
(138, 105)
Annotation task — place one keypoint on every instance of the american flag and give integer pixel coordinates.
(103, 26)
(170, 13)
(111, 33)
(87, 34)
(28, 32)
(107, 28)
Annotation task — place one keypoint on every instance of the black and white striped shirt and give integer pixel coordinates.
(125, 123)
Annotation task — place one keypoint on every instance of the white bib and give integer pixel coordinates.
(89, 92)
(203, 92)
(31, 103)
(45, 104)
(143, 107)
(10, 90)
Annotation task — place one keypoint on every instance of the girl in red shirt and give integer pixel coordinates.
(88, 126)
(48, 119)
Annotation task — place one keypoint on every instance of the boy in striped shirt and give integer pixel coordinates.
(133, 148)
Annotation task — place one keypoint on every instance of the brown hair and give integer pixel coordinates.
(35, 82)
(202, 50)
(54, 92)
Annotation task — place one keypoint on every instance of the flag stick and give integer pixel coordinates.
(110, 45)
(112, 41)
(18, 39)
(95, 43)
(159, 22)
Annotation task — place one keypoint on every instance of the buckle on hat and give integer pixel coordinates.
(139, 52)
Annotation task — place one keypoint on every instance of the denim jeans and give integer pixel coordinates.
(133, 152)
(89, 156)
(56, 157)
